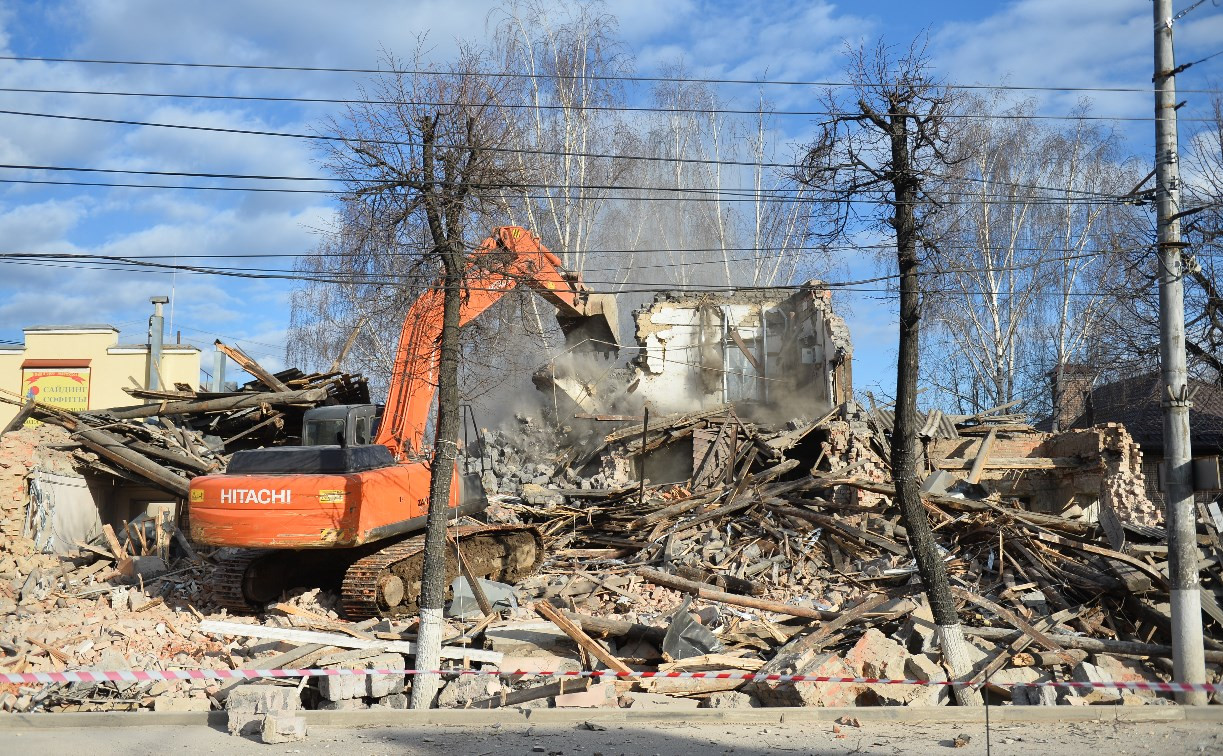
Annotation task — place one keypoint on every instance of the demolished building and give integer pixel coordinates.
(754, 536)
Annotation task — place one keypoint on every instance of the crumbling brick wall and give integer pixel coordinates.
(1084, 470)
(849, 443)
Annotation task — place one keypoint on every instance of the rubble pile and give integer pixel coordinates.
(686, 543)
(187, 433)
(127, 594)
(1054, 551)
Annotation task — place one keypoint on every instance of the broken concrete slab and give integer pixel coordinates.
(810, 694)
(659, 702)
(601, 695)
(730, 699)
(344, 687)
(282, 727)
(464, 689)
(876, 655)
(247, 704)
(529, 639)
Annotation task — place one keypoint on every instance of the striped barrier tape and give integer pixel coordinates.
(143, 675)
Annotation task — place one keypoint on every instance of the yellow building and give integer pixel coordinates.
(84, 367)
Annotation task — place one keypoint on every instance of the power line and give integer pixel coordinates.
(724, 196)
(545, 106)
(107, 262)
(730, 191)
(392, 142)
(583, 77)
(647, 287)
(625, 251)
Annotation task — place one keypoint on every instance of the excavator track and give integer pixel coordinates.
(387, 582)
(229, 579)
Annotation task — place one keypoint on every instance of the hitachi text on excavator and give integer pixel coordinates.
(348, 505)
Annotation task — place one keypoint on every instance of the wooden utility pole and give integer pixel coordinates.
(1188, 660)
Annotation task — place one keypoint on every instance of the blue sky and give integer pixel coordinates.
(1091, 43)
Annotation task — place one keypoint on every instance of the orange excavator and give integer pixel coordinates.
(347, 507)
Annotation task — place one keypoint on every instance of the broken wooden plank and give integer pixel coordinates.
(241, 359)
(835, 524)
(112, 448)
(113, 542)
(1007, 616)
(1011, 463)
(606, 627)
(240, 629)
(224, 404)
(706, 591)
(978, 464)
(19, 419)
(1094, 645)
(1138, 564)
(593, 647)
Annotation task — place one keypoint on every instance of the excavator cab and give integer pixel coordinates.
(339, 425)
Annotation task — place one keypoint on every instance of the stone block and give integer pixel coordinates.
(730, 699)
(167, 703)
(919, 633)
(1089, 673)
(396, 701)
(536, 663)
(659, 701)
(464, 689)
(811, 694)
(599, 695)
(1113, 669)
(341, 687)
(876, 655)
(247, 704)
(282, 727)
(1004, 680)
(345, 687)
(538, 495)
(922, 667)
(348, 704)
(528, 639)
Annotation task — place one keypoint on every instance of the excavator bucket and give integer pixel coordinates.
(597, 330)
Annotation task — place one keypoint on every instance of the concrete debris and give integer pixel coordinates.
(773, 543)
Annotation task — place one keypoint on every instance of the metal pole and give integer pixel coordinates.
(645, 429)
(218, 371)
(1188, 657)
(156, 334)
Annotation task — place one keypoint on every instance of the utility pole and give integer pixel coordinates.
(1188, 657)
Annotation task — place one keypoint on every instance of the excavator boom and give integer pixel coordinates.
(343, 511)
(509, 257)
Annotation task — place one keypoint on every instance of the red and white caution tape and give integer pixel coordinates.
(145, 675)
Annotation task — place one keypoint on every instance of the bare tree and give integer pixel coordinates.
(566, 56)
(870, 163)
(1025, 262)
(428, 170)
(1204, 229)
(985, 283)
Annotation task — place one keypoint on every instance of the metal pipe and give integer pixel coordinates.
(764, 355)
(645, 428)
(218, 371)
(156, 334)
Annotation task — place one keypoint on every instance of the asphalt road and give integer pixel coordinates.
(678, 738)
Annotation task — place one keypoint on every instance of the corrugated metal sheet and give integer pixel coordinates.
(935, 424)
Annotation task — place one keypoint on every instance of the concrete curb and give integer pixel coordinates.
(483, 717)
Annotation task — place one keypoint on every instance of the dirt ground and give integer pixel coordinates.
(680, 739)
